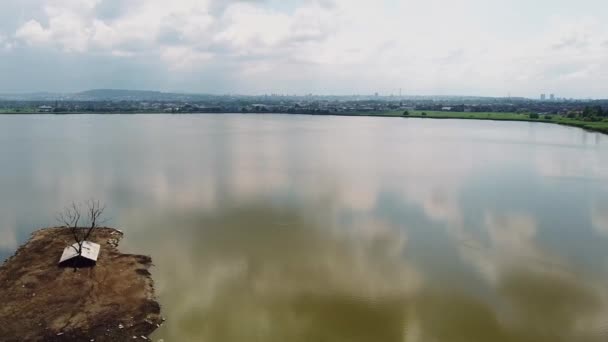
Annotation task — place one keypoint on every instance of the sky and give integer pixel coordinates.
(343, 47)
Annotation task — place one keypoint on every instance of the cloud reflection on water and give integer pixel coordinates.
(279, 273)
(278, 228)
(274, 272)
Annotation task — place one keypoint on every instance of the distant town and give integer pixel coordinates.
(131, 101)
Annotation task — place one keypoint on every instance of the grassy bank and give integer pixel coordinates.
(18, 111)
(598, 126)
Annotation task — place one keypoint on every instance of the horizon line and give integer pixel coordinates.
(310, 94)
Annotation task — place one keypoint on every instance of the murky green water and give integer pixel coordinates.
(301, 228)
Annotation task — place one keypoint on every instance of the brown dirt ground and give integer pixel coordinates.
(40, 301)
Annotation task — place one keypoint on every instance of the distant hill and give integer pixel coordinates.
(39, 96)
(137, 95)
(104, 95)
(118, 95)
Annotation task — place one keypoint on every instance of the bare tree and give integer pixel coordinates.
(71, 216)
(95, 211)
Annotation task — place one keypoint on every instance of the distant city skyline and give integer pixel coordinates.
(58, 95)
(160, 95)
(500, 48)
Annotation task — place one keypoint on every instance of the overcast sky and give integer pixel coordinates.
(460, 47)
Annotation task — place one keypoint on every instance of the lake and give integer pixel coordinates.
(319, 228)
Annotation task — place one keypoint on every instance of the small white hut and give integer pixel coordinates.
(89, 254)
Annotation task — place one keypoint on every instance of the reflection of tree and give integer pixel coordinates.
(251, 272)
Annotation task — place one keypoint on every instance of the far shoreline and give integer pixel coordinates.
(590, 126)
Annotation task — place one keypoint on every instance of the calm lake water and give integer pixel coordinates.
(303, 228)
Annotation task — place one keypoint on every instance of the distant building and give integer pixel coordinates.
(543, 97)
(45, 109)
(260, 107)
(446, 109)
(552, 97)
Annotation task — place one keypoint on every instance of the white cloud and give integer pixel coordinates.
(347, 45)
(5, 44)
(183, 57)
(33, 33)
(252, 29)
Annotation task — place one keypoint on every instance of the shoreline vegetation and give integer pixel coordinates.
(594, 125)
(600, 126)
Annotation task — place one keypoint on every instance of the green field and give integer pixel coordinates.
(17, 111)
(599, 126)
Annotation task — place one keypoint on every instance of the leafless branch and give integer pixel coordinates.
(71, 215)
(95, 211)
